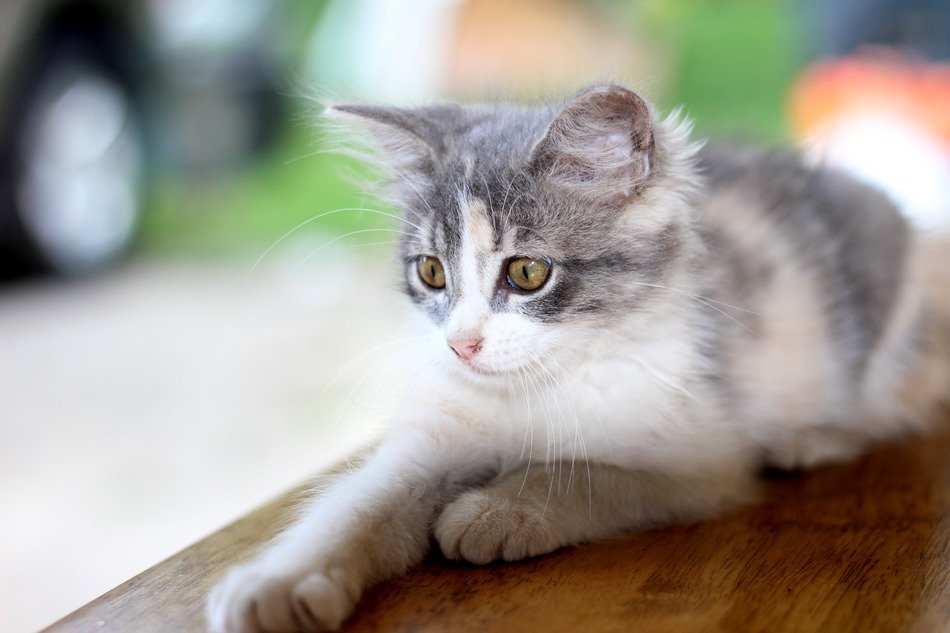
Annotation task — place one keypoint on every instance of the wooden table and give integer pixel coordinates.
(861, 547)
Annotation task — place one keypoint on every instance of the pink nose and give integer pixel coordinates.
(466, 348)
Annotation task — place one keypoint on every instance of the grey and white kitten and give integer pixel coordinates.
(629, 326)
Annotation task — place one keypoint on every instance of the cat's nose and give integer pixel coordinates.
(466, 348)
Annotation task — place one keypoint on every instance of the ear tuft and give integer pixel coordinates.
(407, 138)
(599, 147)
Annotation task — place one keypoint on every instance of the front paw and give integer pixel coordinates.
(482, 526)
(255, 599)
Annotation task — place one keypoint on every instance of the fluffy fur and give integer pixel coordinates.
(708, 311)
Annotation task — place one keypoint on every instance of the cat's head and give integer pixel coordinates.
(528, 230)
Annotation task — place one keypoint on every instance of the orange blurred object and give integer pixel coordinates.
(886, 120)
(918, 92)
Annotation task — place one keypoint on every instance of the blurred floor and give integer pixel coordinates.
(143, 409)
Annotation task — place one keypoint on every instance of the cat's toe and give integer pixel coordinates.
(252, 600)
(232, 605)
(320, 603)
(480, 528)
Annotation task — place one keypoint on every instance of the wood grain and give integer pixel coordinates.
(860, 547)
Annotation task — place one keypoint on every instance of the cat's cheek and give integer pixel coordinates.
(511, 342)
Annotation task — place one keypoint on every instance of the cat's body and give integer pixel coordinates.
(828, 268)
(685, 317)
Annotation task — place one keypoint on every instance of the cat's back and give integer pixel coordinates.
(803, 201)
(768, 211)
(818, 261)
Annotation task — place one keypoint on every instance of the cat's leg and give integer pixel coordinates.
(815, 446)
(371, 524)
(524, 514)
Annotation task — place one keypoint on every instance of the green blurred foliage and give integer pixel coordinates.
(257, 203)
(732, 63)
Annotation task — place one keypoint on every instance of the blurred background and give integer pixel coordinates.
(197, 309)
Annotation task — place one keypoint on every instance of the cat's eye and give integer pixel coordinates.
(431, 272)
(526, 273)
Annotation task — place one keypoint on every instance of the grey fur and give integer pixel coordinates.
(848, 236)
(510, 151)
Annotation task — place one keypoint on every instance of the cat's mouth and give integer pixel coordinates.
(472, 367)
(478, 367)
(489, 371)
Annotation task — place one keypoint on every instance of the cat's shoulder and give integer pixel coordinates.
(794, 190)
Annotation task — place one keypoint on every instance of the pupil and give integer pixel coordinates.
(524, 271)
(432, 271)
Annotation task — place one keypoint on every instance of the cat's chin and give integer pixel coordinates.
(488, 372)
(481, 373)
(471, 370)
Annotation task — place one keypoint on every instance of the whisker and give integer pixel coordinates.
(579, 429)
(365, 244)
(369, 383)
(548, 418)
(364, 354)
(558, 461)
(696, 296)
(337, 239)
(660, 378)
(314, 219)
(373, 159)
(706, 302)
(529, 434)
(578, 439)
(561, 427)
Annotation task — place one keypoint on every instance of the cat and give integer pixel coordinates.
(629, 326)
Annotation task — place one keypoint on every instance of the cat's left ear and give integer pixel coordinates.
(599, 147)
(409, 137)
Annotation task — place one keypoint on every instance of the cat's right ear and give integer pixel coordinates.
(408, 138)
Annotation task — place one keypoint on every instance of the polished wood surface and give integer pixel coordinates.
(860, 547)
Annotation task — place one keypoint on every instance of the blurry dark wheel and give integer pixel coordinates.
(80, 171)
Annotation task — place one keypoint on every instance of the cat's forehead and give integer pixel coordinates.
(490, 208)
(492, 148)
(486, 166)
(497, 216)
(499, 134)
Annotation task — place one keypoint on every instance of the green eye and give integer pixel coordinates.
(431, 272)
(528, 274)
